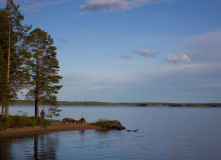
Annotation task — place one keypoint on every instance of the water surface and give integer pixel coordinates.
(164, 133)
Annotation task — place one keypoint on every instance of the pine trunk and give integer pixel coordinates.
(8, 69)
(37, 87)
(37, 99)
(6, 111)
(3, 110)
(36, 107)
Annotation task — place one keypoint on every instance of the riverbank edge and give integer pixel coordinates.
(53, 127)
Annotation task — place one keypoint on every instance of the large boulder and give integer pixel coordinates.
(69, 120)
(117, 125)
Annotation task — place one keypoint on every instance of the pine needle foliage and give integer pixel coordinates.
(44, 69)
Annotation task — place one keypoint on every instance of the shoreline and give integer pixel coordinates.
(53, 127)
(144, 104)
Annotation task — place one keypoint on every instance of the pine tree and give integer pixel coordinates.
(3, 81)
(12, 35)
(3, 66)
(44, 70)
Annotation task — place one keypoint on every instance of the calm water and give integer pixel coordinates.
(164, 133)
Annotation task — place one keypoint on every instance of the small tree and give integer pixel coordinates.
(44, 70)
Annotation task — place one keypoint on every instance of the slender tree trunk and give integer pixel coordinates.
(3, 110)
(37, 101)
(8, 70)
(37, 87)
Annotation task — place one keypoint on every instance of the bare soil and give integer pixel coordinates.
(53, 127)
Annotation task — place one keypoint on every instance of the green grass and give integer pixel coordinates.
(21, 122)
(103, 123)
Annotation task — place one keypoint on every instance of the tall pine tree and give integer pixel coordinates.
(12, 34)
(44, 70)
(3, 81)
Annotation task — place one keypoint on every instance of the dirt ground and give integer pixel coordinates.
(53, 127)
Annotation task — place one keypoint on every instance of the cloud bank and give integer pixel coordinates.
(204, 47)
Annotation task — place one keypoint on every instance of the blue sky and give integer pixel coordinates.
(133, 50)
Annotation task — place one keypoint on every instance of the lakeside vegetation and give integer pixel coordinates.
(94, 103)
(103, 123)
(21, 122)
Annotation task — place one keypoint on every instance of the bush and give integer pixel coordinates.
(103, 123)
(21, 121)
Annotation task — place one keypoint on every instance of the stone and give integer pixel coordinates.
(82, 120)
(68, 120)
(117, 125)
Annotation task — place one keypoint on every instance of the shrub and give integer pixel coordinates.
(103, 123)
(21, 121)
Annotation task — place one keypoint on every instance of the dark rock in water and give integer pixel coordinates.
(136, 130)
(69, 120)
(117, 125)
(129, 130)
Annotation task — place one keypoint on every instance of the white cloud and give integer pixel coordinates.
(172, 58)
(125, 57)
(106, 5)
(64, 40)
(114, 5)
(145, 52)
(31, 7)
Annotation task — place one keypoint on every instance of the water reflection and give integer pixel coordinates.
(164, 133)
(38, 146)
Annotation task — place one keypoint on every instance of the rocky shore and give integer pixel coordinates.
(66, 125)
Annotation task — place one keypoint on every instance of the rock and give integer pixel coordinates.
(82, 120)
(68, 120)
(117, 125)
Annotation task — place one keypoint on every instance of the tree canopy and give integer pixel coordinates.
(27, 59)
(44, 68)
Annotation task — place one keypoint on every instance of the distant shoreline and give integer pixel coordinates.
(94, 103)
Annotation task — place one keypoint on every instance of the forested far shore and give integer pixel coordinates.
(94, 103)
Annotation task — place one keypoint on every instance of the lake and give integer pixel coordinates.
(163, 133)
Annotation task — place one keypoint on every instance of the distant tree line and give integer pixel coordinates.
(27, 61)
(94, 103)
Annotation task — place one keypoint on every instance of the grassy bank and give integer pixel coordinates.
(21, 122)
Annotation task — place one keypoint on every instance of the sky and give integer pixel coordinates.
(133, 50)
